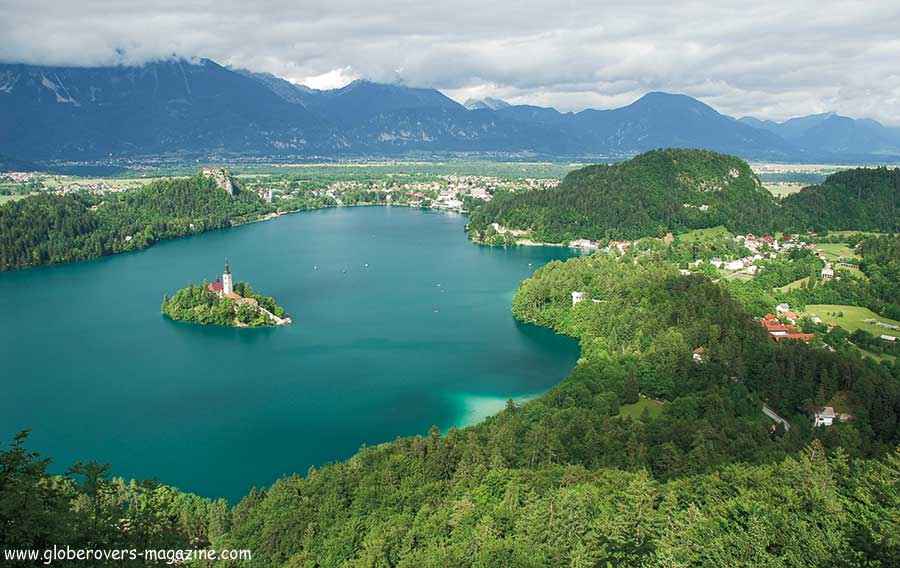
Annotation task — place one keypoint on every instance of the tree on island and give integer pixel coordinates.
(199, 304)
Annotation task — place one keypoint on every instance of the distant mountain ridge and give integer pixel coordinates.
(832, 133)
(485, 103)
(190, 109)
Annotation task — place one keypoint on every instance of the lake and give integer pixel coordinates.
(399, 323)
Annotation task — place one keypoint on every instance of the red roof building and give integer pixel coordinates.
(779, 331)
(216, 287)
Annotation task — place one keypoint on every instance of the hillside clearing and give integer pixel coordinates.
(852, 318)
(635, 410)
(833, 251)
(709, 234)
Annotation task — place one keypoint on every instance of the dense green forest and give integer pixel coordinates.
(198, 304)
(399, 505)
(52, 228)
(665, 191)
(87, 509)
(569, 479)
(859, 199)
(47, 229)
(649, 195)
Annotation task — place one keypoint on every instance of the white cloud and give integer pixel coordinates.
(769, 58)
(329, 80)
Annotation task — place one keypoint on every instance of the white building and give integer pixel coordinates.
(734, 265)
(582, 243)
(824, 417)
(782, 308)
(827, 273)
(697, 354)
(577, 297)
(227, 284)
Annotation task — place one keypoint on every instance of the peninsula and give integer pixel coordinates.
(223, 302)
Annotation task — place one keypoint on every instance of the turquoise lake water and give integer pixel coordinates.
(422, 336)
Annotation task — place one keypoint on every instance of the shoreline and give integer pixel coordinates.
(269, 217)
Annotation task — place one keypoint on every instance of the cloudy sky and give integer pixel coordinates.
(767, 58)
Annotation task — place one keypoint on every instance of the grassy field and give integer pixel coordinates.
(793, 285)
(57, 181)
(852, 319)
(853, 233)
(700, 235)
(782, 189)
(884, 357)
(833, 251)
(8, 198)
(635, 410)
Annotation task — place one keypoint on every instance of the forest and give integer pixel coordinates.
(50, 228)
(568, 479)
(862, 199)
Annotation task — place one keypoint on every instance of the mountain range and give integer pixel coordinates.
(184, 109)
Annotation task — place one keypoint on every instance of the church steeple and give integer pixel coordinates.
(227, 283)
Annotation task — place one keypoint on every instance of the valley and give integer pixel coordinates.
(450, 285)
(702, 301)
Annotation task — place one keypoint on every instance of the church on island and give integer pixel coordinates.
(224, 288)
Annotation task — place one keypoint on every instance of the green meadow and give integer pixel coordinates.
(636, 409)
(851, 318)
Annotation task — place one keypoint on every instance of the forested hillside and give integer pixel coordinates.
(679, 190)
(649, 195)
(48, 229)
(859, 199)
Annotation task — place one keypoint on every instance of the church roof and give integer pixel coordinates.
(215, 286)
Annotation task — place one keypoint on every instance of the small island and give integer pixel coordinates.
(224, 303)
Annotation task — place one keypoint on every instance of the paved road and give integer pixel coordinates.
(774, 416)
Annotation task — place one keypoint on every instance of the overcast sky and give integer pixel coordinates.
(766, 58)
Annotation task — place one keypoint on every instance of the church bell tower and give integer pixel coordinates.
(227, 284)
